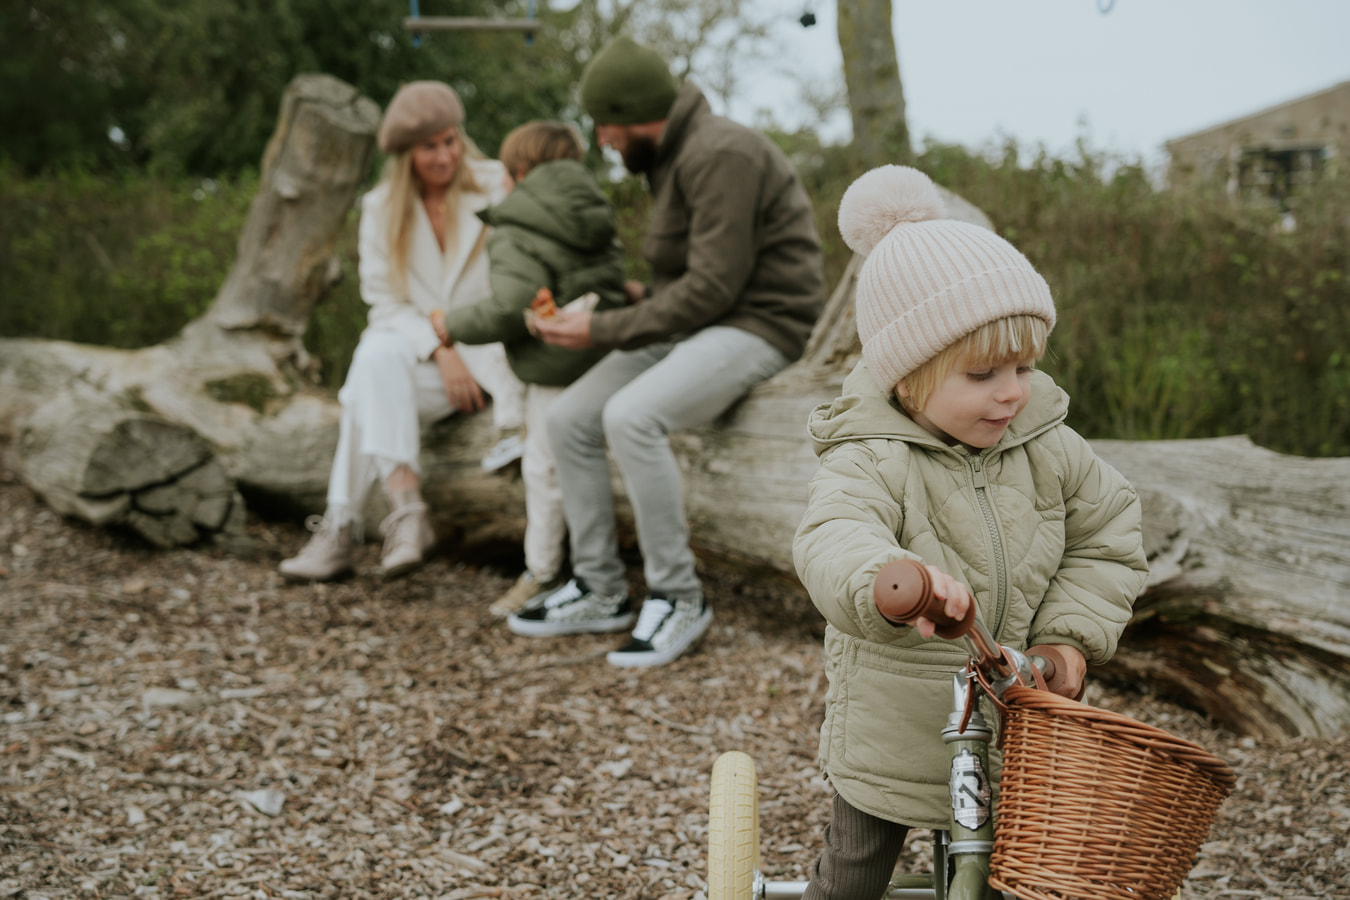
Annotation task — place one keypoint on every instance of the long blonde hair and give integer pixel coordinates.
(405, 194)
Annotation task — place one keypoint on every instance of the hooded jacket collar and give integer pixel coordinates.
(864, 411)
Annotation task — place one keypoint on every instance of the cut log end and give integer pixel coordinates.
(131, 470)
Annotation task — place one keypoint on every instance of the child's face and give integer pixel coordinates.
(976, 402)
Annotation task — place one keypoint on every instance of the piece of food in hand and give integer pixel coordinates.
(543, 304)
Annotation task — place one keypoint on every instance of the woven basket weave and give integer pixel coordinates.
(1094, 804)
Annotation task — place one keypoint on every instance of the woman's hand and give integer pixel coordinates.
(437, 317)
(461, 390)
(955, 596)
(567, 328)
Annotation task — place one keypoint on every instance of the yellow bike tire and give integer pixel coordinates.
(733, 828)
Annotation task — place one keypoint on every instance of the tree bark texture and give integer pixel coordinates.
(1247, 612)
(876, 97)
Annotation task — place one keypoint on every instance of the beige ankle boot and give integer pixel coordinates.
(407, 534)
(327, 555)
(520, 593)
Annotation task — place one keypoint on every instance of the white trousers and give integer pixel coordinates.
(387, 397)
(545, 522)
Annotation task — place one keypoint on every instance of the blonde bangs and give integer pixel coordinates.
(992, 344)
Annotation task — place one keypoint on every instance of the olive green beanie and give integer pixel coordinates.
(627, 84)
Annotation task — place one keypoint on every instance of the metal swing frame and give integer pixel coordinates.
(417, 23)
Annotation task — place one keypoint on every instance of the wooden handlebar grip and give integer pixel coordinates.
(903, 591)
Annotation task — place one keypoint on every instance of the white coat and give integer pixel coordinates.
(393, 386)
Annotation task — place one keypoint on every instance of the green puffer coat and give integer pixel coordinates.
(555, 229)
(1046, 535)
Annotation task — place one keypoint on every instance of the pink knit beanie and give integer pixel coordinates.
(927, 281)
(419, 110)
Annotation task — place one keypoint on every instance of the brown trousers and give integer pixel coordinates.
(859, 856)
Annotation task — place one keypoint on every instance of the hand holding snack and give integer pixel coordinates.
(544, 307)
(543, 304)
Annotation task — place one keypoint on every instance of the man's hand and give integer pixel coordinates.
(636, 291)
(438, 325)
(461, 390)
(567, 328)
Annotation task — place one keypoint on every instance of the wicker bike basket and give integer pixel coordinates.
(1094, 804)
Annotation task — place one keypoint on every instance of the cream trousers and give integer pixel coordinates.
(387, 397)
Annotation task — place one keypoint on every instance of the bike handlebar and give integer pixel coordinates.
(903, 592)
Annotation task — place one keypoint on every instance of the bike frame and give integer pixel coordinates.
(961, 854)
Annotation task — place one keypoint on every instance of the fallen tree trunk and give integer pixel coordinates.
(156, 440)
(1247, 613)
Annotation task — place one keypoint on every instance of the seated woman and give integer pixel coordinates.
(422, 247)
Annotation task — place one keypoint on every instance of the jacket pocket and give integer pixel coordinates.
(895, 709)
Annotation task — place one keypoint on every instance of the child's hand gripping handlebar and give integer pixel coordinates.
(904, 594)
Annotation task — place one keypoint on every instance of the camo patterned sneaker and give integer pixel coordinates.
(573, 609)
(665, 629)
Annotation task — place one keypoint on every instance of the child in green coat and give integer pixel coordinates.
(554, 230)
(946, 447)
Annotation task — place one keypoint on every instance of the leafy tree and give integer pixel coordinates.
(194, 86)
(57, 81)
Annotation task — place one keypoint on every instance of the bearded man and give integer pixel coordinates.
(737, 283)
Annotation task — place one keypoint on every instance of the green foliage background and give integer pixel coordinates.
(192, 86)
(1181, 315)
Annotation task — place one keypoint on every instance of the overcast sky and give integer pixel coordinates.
(1049, 71)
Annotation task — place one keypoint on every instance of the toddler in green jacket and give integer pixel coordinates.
(555, 231)
(949, 448)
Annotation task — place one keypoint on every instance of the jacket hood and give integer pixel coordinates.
(863, 410)
(560, 200)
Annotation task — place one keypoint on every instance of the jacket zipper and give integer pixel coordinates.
(996, 539)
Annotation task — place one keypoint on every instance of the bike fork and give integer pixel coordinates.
(971, 840)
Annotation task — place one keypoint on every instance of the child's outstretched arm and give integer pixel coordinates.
(847, 534)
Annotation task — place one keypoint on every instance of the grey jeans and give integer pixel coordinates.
(630, 402)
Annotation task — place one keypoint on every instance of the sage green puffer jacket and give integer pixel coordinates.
(556, 229)
(1046, 535)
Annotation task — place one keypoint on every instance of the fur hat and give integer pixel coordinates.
(419, 110)
(627, 84)
(928, 281)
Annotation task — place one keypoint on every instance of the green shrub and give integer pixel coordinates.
(1180, 315)
(113, 260)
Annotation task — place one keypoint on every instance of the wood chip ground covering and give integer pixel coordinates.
(184, 724)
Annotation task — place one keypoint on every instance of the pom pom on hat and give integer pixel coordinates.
(882, 199)
(927, 281)
(419, 110)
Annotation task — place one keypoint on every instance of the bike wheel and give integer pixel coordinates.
(733, 828)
